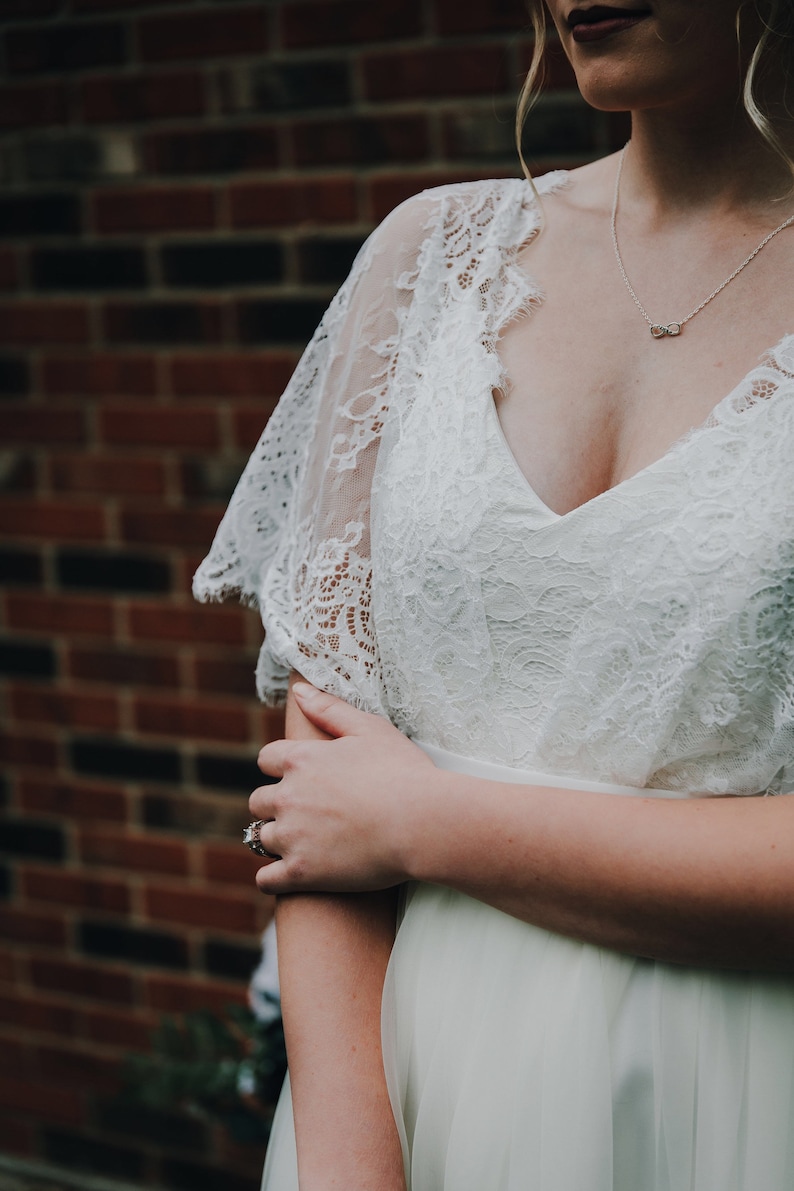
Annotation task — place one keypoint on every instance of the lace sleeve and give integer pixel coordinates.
(295, 538)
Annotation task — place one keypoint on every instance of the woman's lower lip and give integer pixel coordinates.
(599, 29)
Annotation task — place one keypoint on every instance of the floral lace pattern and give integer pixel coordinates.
(401, 559)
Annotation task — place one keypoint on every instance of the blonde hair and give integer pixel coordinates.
(533, 83)
(775, 47)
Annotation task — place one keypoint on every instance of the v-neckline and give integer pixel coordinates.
(531, 292)
(708, 423)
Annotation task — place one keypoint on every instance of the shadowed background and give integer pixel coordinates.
(184, 186)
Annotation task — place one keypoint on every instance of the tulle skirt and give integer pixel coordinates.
(518, 1060)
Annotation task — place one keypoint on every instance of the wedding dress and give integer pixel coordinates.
(642, 643)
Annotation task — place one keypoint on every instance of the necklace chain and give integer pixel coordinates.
(662, 330)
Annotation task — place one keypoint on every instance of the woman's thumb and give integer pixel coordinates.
(333, 715)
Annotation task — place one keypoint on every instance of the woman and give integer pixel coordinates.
(549, 536)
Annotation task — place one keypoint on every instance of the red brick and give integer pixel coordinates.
(203, 815)
(124, 1031)
(73, 801)
(202, 721)
(32, 929)
(177, 208)
(169, 994)
(208, 911)
(60, 614)
(228, 375)
(116, 99)
(43, 322)
(192, 559)
(9, 269)
(40, 704)
(100, 374)
(363, 140)
(23, 424)
(162, 322)
(31, 1012)
(14, 1056)
(293, 203)
(387, 191)
(225, 676)
(43, 519)
(58, 47)
(227, 864)
(248, 424)
(137, 853)
(205, 34)
(40, 883)
(24, 474)
(27, 750)
(28, 9)
(77, 1068)
(212, 150)
(33, 106)
(127, 667)
(348, 22)
(41, 1101)
(8, 972)
(497, 17)
(107, 475)
(221, 626)
(103, 5)
(83, 980)
(436, 73)
(169, 528)
(270, 724)
(136, 426)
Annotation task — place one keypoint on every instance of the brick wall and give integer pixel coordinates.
(185, 183)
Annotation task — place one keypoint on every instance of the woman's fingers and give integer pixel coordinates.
(334, 828)
(272, 878)
(332, 715)
(268, 833)
(274, 757)
(261, 804)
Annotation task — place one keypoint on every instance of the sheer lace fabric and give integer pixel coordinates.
(401, 560)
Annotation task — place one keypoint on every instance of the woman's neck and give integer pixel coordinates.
(705, 163)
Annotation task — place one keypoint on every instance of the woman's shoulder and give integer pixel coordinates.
(462, 217)
(478, 200)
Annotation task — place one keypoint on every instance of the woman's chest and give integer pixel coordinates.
(587, 640)
(713, 515)
(588, 397)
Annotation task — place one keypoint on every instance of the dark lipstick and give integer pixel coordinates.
(600, 21)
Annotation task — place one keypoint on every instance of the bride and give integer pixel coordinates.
(524, 525)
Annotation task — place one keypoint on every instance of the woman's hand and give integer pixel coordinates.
(339, 811)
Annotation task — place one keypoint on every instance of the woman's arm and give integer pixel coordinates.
(333, 950)
(706, 882)
(703, 882)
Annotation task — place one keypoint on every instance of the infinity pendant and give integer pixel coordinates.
(659, 330)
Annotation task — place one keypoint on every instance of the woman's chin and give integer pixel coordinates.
(632, 87)
(612, 91)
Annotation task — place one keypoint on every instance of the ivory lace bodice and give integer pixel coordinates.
(400, 559)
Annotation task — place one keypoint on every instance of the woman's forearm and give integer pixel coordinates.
(699, 881)
(333, 952)
(705, 882)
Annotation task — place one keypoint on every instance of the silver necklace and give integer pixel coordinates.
(662, 330)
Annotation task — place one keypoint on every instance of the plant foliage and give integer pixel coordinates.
(229, 1068)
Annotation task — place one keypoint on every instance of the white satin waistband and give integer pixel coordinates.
(495, 772)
